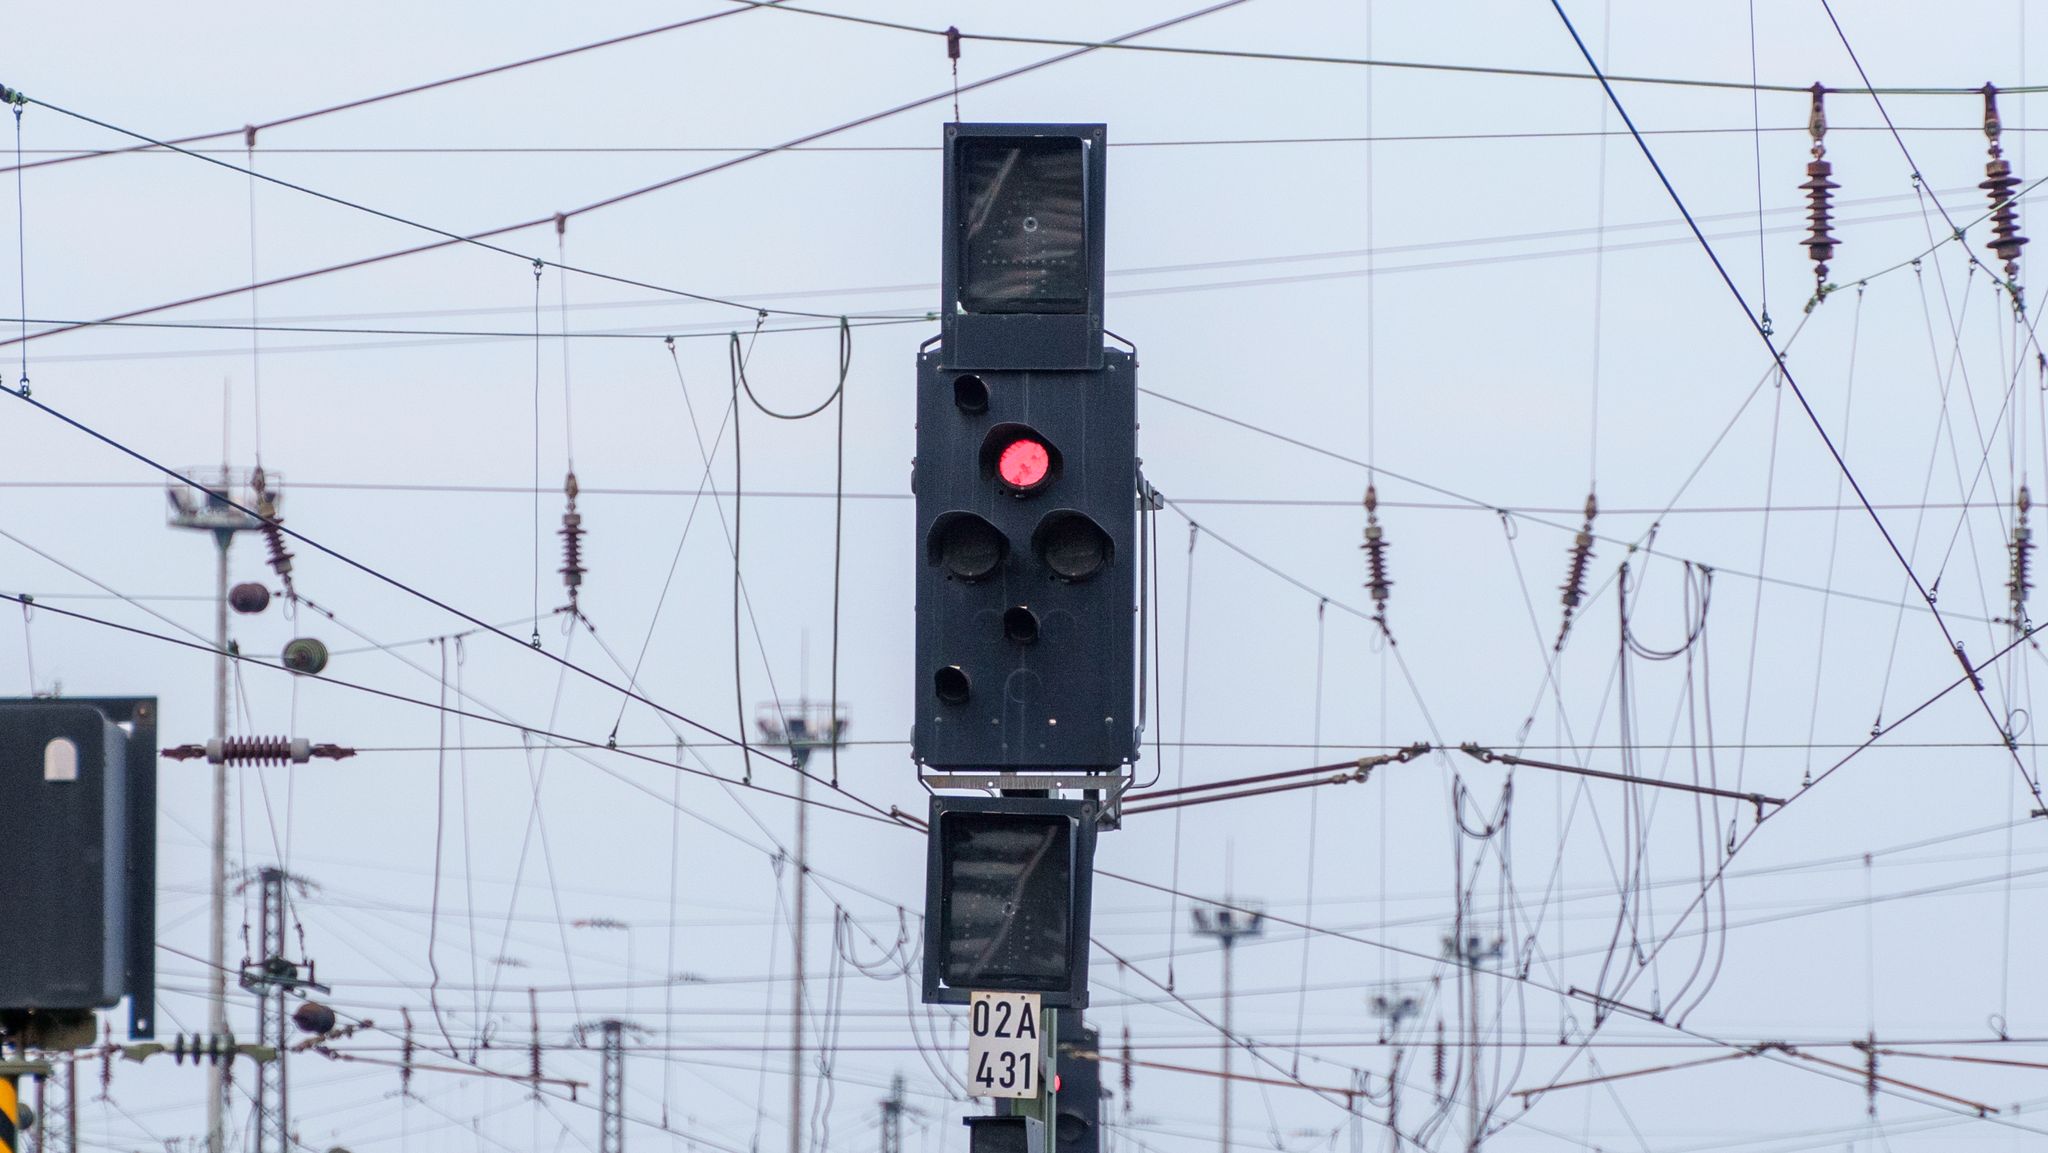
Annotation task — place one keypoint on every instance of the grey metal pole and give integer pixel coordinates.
(1229, 1035)
(1227, 923)
(802, 757)
(217, 978)
(1472, 1028)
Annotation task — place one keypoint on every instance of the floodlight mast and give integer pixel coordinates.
(212, 508)
(803, 727)
(1226, 923)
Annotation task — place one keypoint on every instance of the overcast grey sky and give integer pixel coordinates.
(1451, 276)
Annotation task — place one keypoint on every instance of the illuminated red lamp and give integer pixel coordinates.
(1024, 464)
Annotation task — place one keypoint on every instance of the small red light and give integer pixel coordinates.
(1024, 463)
(1055, 1082)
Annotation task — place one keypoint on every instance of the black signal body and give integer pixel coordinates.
(1027, 566)
(78, 880)
(1080, 1081)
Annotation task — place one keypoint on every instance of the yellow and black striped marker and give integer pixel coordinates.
(10, 1114)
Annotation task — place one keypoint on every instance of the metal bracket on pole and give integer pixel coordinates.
(1110, 786)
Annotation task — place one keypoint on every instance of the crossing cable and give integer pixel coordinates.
(69, 324)
(1460, 964)
(715, 330)
(1307, 58)
(250, 130)
(1204, 142)
(478, 240)
(1340, 1098)
(1369, 252)
(631, 194)
(876, 813)
(683, 538)
(1735, 849)
(1955, 646)
(574, 747)
(885, 317)
(481, 625)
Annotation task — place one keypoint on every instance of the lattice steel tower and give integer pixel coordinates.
(611, 1131)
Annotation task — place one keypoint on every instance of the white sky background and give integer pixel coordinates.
(1468, 362)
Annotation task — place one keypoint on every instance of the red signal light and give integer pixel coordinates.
(1024, 464)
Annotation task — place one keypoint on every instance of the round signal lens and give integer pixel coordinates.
(1020, 625)
(1024, 464)
(970, 548)
(1073, 546)
(950, 685)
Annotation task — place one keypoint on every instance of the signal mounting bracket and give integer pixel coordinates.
(1110, 786)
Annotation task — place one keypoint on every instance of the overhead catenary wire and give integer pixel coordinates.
(1225, 527)
(1362, 62)
(1259, 1052)
(1799, 394)
(250, 131)
(564, 739)
(82, 153)
(429, 337)
(394, 582)
(449, 239)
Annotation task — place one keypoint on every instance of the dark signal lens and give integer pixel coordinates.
(970, 393)
(970, 548)
(1072, 545)
(951, 686)
(1020, 625)
(1024, 464)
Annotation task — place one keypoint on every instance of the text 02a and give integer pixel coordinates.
(1005, 1047)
